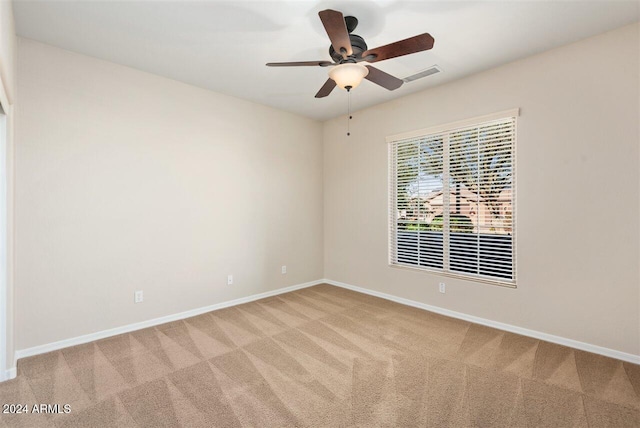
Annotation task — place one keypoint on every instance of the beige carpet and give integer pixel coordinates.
(325, 356)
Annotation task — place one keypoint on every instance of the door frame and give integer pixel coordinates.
(7, 359)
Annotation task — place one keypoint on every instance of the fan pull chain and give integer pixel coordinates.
(349, 112)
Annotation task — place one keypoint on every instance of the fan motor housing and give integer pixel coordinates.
(358, 45)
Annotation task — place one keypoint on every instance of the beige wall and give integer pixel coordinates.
(129, 181)
(577, 182)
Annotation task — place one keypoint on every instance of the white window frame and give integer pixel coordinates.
(391, 211)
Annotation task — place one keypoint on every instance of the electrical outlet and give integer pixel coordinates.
(442, 287)
(138, 296)
(284, 269)
(229, 279)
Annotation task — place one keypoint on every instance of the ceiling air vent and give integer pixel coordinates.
(424, 73)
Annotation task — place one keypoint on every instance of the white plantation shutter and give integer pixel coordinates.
(452, 198)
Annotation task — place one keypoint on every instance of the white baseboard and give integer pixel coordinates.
(631, 358)
(11, 373)
(54, 346)
(8, 374)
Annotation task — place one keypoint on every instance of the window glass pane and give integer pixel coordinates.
(418, 201)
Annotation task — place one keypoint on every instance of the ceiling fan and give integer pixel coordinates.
(347, 50)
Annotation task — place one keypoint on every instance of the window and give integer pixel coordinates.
(452, 198)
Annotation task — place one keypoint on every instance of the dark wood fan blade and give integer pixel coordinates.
(299, 64)
(383, 79)
(326, 88)
(333, 22)
(422, 42)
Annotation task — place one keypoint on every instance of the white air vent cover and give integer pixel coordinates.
(424, 73)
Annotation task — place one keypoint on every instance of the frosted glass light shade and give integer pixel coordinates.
(348, 74)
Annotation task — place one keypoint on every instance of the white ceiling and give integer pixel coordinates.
(223, 45)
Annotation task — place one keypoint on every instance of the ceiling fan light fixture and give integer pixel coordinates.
(348, 75)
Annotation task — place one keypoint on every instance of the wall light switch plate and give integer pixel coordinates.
(442, 287)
